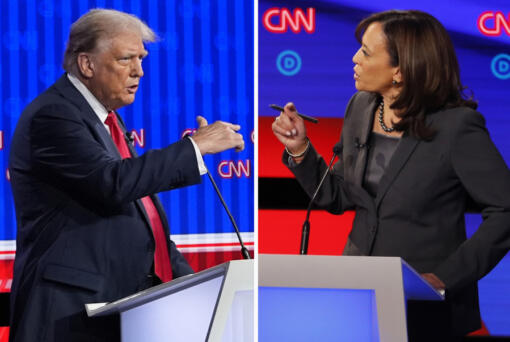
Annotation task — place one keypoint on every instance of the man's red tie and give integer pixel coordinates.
(162, 265)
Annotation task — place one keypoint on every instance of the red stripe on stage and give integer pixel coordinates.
(202, 260)
(214, 244)
(6, 267)
(4, 334)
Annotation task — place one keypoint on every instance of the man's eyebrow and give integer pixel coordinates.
(131, 54)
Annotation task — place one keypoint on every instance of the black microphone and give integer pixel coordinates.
(359, 145)
(244, 250)
(129, 137)
(305, 233)
(337, 149)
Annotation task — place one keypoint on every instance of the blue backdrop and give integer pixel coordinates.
(203, 65)
(315, 71)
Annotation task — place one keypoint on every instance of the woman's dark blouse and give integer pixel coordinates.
(380, 152)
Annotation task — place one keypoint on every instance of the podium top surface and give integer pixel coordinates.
(349, 272)
(159, 291)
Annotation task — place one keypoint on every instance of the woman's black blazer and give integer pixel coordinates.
(418, 213)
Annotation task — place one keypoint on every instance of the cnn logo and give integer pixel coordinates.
(229, 169)
(497, 23)
(138, 138)
(296, 21)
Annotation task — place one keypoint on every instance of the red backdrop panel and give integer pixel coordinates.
(280, 231)
(323, 135)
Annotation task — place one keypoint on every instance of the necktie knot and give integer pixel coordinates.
(111, 119)
(118, 135)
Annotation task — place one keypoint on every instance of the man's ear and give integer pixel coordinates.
(85, 65)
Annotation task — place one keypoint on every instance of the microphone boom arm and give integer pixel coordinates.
(305, 233)
(244, 250)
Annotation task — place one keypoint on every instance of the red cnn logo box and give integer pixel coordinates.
(296, 21)
(498, 23)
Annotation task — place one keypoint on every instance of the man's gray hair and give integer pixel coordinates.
(96, 26)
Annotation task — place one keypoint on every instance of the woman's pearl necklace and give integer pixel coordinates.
(381, 121)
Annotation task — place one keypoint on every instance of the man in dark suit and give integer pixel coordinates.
(90, 227)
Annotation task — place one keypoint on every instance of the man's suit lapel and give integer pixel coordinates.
(106, 139)
(405, 148)
(72, 94)
(134, 155)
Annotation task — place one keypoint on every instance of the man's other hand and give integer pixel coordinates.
(217, 137)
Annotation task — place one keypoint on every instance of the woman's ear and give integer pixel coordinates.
(397, 76)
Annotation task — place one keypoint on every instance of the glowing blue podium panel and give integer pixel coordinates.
(304, 314)
(336, 298)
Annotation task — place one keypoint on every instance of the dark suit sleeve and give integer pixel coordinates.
(180, 266)
(486, 178)
(308, 173)
(65, 152)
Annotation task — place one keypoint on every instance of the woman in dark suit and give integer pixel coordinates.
(413, 153)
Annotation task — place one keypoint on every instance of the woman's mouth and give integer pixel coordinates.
(356, 75)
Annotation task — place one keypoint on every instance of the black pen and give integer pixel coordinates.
(305, 117)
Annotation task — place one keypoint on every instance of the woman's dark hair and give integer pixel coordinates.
(420, 46)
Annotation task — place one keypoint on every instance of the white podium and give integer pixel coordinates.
(213, 305)
(336, 298)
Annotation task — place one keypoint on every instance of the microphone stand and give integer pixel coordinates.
(244, 250)
(305, 233)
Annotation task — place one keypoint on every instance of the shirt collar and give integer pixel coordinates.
(97, 107)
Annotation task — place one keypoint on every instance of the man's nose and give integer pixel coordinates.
(137, 69)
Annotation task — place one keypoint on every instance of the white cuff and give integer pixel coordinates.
(200, 161)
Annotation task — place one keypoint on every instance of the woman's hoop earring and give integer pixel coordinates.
(393, 82)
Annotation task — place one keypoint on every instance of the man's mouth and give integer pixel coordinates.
(132, 89)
